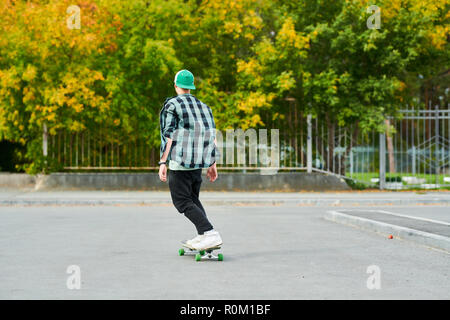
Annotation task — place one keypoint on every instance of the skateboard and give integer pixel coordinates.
(206, 254)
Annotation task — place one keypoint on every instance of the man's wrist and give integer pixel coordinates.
(162, 162)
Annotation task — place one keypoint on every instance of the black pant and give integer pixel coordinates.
(185, 188)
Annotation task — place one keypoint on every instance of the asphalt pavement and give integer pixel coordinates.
(278, 251)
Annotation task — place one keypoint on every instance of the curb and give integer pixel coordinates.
(228, 181)
(413, 235)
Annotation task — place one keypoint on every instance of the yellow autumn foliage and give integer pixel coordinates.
(289, 37)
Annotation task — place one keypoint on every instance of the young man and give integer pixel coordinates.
(188, 145)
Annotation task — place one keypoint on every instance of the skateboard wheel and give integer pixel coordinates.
(220, 257)
(202, 252)
(181, 252)
(198, 257)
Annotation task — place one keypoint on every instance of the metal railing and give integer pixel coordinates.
(414, 154)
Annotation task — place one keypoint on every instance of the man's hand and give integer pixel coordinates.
(163, 173)
(163, 167)
(211, 173)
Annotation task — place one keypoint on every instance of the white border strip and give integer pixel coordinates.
(403, 216)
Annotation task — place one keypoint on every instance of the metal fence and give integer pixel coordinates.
(100, 151)
(418, 154)
(414, 154)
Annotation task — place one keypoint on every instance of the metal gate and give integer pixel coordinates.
(417, 155)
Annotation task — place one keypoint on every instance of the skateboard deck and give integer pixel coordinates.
(206, 254)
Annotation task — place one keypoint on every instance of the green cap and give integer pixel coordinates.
(184, 79)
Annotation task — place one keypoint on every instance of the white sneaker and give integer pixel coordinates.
(209, 239)
(190, 242)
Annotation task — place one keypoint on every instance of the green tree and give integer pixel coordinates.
(253, 60)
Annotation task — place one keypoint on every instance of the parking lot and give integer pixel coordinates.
(130, 251)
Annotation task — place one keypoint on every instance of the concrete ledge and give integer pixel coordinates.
(298, 181)
(17, 180)
(417, 236)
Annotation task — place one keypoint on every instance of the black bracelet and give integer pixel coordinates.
(162, 162)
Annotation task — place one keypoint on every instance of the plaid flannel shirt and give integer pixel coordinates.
(190, 124)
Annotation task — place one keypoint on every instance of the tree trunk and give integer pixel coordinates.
(390, 148)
